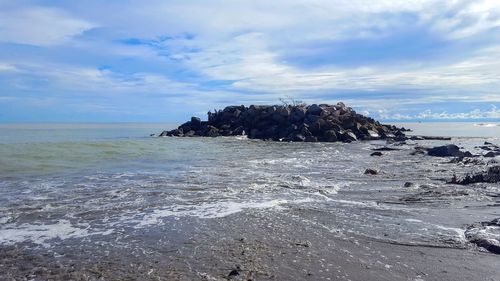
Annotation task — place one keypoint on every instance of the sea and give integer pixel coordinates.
(94, 184)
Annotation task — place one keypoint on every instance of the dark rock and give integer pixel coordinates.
(239, 131)
(314, 110)
(195, 122)
(311, 139)
(290, 123)
(376, 153)
(190, 134)
(385, 148)
(370, 172)
(373, 134)
(492, 175)
(491, 154)
(408, 184)
(435, 138)
(212, 132)
(330, 136)
(348, 136)
(234, 272)
(445, 151)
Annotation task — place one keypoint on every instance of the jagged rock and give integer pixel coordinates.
(348, 136)
(492, 175)
(312, 123)
(330, 136)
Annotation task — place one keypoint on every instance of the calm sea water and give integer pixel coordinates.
(68, 182)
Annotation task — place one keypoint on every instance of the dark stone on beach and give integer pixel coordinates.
(435, 138)
(370, 172)
(376, 153)
(491, 154)
(492, 175)
(385, 148)
(450, 150)
(234, 272)
(298, 123)
(408, 184)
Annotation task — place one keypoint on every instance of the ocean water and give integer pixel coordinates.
(89, 183)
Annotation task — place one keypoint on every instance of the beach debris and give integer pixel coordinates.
(292, 123)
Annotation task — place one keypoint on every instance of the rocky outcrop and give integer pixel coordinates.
(492, 175)
(298, 123)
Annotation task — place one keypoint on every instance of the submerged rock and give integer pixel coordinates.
(296, 123)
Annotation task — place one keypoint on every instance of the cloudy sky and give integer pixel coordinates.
(167, 60)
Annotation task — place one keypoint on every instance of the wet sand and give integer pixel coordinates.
(290, 244)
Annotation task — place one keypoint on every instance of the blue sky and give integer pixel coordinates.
(163, 61)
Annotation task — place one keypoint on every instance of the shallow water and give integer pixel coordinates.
(91, 183)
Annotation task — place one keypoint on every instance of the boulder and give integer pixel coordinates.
(195, 122)
(348, 136)
(449, 150)
(330, 136)
(314, 110)
(370, 172)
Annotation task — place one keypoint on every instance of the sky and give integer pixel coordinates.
(164, 61)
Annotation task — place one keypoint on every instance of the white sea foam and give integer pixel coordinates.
(205, 210)
(41, 234)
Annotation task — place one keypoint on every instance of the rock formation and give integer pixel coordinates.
(297, 123)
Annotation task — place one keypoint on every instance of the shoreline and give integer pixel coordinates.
(328, 221)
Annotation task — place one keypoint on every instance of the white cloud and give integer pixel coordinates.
(492, 113)
(39, 26)
(244, 41)
(5, 67)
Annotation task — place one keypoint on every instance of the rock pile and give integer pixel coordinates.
(492, 175)
(298, 123)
